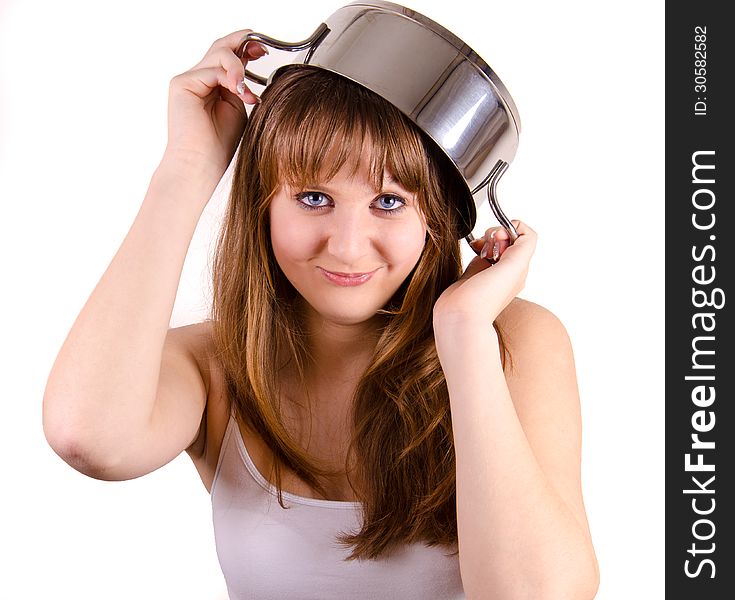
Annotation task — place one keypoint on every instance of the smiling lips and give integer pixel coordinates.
(347, 279)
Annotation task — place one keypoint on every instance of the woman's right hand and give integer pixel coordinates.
(206, 113)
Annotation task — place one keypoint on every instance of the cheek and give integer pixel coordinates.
(404, 244)
(288, 235)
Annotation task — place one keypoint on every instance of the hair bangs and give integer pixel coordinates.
(322, 124)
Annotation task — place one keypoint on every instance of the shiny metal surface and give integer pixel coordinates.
(278, 44)
(429, 74)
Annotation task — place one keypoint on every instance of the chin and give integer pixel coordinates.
(351, 314)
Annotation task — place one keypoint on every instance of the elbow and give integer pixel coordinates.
(591, 584)
(582, 585)
(83, 462)
(583, 589)
(65, 443)
(589, 580)
(75, 456)
(58, 436)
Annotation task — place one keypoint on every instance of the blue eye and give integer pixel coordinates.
(308, 196)
(393, 199)
(306, 201)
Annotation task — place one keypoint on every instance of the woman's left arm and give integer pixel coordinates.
(522, 527)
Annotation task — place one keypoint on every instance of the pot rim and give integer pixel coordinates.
(462, 47)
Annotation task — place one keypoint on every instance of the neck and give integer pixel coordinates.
(339, 353)
(337, 356)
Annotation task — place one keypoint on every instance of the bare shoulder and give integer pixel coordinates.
(531, 331)
(196, 337)
(523, 317)
(196, 341)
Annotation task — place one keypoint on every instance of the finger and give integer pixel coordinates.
(503, 234)
(497, 240)
(229, 45)
(477, 244)
(252, 51)
(495, 234)
(202, 82)
(235, 68)
(484, 246)
(500, 247)
(524, 244)
(521, 227)
(501, 241)
(231, 41)
(255, 49)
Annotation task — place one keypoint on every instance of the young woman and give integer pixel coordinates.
(370, 420)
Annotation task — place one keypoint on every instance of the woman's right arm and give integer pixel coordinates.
(120, 365)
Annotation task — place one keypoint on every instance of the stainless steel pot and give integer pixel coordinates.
(429, 74)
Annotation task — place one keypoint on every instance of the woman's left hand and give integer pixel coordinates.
(485, 289)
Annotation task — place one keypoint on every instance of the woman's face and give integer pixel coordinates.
(344, 226)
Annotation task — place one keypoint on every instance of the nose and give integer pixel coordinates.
(350, 234)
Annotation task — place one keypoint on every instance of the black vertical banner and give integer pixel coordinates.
(700, 360)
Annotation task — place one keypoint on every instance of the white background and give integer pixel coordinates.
(83, 99)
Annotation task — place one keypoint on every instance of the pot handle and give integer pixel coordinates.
(311, 41)
(492, 200)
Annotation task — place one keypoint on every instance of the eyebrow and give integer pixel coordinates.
(388, 179)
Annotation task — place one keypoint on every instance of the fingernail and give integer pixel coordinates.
(496, 251)
(263, 48)
(485, 250)
(241, 87)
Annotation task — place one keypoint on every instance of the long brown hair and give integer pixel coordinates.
(401, 451)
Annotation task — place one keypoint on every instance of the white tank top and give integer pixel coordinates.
(268, 553)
